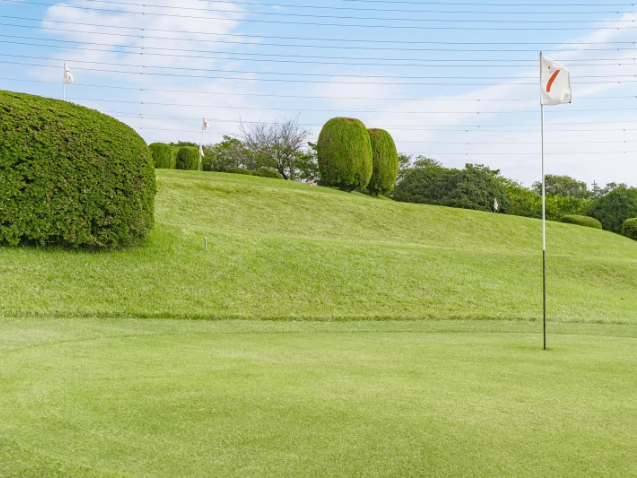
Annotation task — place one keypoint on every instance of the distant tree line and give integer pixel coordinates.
(353, 158)
(424, 180)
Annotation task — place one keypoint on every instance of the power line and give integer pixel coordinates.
(296, 45)
(266, 95)
(198, 131)
(327, 110)
(404, 2)
(443, 62)
(364, 9)
(340, 17)
(304, 74)
(279, 80)
(219, 120)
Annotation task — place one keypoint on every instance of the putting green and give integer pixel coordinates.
(124, 397)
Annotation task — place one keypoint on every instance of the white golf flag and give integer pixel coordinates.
(201, 150)
(204, 125)
(68, 77)
(495, 204)
(555, 82)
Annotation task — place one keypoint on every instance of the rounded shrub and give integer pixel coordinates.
(385, 162)
(268, 173)
(243, 171)
(582, 221)
(629, 229)
(163, 156)
(344, 153)
(71, 176)
(187, 158)
(614, 208)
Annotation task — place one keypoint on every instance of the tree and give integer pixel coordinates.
(563, 186)
(610, 187)
(614, 208)
(229, 153)
(385, 162)
(308, 164)
(345, 154)
(276, 145)
(475, 187)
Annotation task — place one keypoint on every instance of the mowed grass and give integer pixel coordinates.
(165, 398)
(282, 250)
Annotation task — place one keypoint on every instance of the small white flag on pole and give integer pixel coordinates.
(495, 205)
(201, 150)
(555, 82)
(68, 77)
(205, 124)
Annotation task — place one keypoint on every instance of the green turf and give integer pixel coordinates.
(131, 397)
(279, 249)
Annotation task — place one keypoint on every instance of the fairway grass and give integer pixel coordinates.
(130, 397)
(283, 250)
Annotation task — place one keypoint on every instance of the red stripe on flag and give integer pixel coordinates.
(550, 83)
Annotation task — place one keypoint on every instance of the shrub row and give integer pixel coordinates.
(261, 172)
(582, 221)
(629, 229)
(71, 176)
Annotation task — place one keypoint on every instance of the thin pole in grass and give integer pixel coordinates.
(555, 89)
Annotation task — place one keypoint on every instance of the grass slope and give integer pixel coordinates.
(126, 397)
(284, 250)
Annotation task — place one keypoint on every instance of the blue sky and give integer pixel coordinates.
(422, 70)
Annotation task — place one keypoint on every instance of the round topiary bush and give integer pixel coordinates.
(187, 158)
(614, 208)
(582, 221)
(163, 156)
(344, 153)
(629, 229)
(385, 162)
(243, 171)
(71, 176)
(268, 173)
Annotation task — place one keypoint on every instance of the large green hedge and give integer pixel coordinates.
(70, 175)
(629, 229)
(188, 158)
(582, 221)
(344, 153)
(614, 208)
(163, 156)
(385, 162)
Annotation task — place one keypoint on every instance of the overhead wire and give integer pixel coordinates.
(341, 17)
(447, 63)
(351, 98)
(313, 46)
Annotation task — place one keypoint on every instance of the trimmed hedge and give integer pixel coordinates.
(268, 173)
(582, 221)
(163, 156)
(629, 229)
(385, 162)
(614, 208)
(187, 158)
(243, 171)
(344, 153)
(71, 176)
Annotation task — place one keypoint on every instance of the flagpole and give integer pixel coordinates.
(543, 234)
(64, 82)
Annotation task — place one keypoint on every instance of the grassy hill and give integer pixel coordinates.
(285, 250)
(89, 387)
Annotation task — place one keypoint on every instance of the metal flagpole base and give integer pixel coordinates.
(544, 294)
